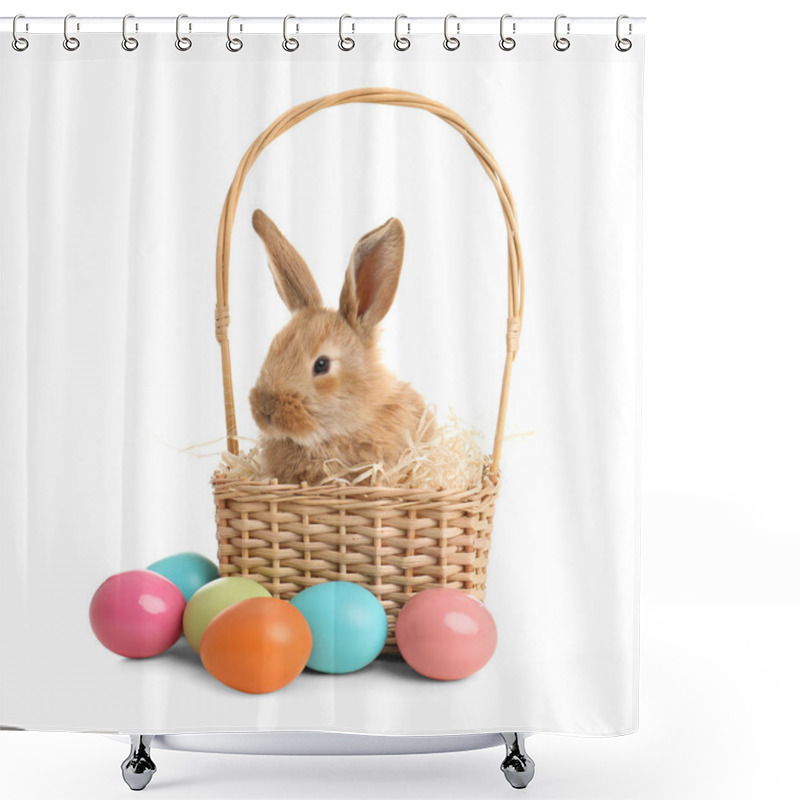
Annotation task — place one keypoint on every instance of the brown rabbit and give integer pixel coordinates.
(322, 392)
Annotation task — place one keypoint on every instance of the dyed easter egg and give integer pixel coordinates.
(256, 645)
(445, 634)
(188, 571)
(212, 598)
(348, 623)
(137, 613)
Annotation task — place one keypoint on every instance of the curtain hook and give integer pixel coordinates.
(561, 43)
(129, 43)
(183, 43)
(290, 45)
(623, 45)
(345, 42)
(18, 42)
(70, 42)
(506, 42)
(451, 42)
(234, 45)
(401, 42)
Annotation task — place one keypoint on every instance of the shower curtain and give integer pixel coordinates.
(115, 166)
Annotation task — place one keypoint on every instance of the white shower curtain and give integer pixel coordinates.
(114, 168)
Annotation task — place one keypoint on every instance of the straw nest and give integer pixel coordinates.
(438, 457)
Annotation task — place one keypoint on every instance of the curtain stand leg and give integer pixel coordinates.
(517, 766)
(138, 768)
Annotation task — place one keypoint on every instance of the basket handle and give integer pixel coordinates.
(393, 97)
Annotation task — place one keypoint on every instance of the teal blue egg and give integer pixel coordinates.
(188, 571)
(348, 625)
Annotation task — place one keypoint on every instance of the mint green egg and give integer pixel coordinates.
(188, 571)
(348, 625)
(211, 599)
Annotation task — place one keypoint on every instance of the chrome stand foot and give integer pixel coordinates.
(517, 766)
(138, 768)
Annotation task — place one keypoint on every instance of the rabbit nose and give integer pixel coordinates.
(263, 405)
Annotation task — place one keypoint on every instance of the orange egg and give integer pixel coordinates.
(256, 645)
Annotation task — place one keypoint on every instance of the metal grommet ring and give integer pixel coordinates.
(71, 43)
(345, 42)
(233, 45)
(561, 43)
(451, 42)
(623, 45)
(506, 42)
(401, 43)
(183, 43)
(129, 43)
(19, 43)
(289, 44)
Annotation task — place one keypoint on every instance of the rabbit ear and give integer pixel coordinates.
(293, 278)
(372, 276)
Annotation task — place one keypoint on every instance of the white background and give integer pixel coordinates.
(720, 596)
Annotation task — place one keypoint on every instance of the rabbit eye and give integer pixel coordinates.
(322, 365)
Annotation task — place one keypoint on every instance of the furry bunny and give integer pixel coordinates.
(322, 392)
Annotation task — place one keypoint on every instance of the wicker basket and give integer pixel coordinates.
(394, 541)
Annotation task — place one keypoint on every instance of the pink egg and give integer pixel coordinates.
(445, 634)
(137, 613)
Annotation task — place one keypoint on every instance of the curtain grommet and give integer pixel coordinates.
(183, 43)
(129, 43)
(451, 43)
(290, 44)
(233, 44)
(507, 42)
(401, 43)
(561, 43)
(71, 43)
(19, 43)
(623, 44)
(346, 43)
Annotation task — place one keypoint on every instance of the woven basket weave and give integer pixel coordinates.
(394, 541)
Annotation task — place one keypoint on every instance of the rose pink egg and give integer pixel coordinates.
(137, 613)
(445, 634)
